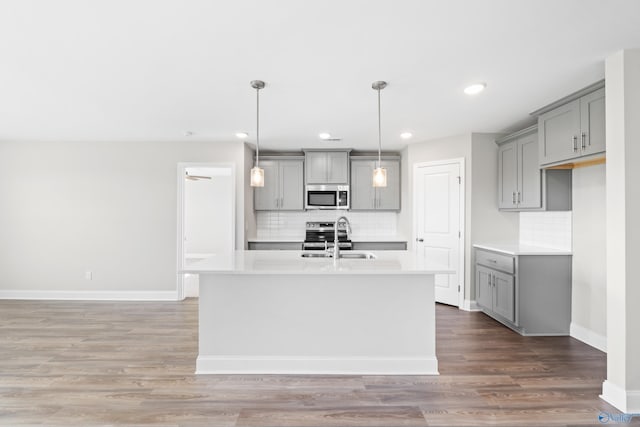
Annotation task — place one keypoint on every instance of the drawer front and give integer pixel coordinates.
(496, 261)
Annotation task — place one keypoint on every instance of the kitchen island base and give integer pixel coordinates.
(330, 323)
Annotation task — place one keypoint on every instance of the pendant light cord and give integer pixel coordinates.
(379, 131)
(257, 127)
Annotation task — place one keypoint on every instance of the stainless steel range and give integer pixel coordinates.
(319, 235)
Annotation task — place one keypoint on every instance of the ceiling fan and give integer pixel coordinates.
(195, 177)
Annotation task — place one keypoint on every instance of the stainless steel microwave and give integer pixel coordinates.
(326, 197)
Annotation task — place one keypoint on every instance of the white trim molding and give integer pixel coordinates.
(470, 305)
(316, 365)
(91, 295)
(627, 401)
(588, 337)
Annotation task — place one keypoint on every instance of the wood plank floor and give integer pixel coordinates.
(132, 363)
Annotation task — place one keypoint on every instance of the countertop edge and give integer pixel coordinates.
(516, 250)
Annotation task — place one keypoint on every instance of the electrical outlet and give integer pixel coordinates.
(88, 275)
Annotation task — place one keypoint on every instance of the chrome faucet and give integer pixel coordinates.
(336, 245)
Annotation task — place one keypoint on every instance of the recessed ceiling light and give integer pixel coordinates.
(475, 88)
(324, 135)
(406, 135)
(241, 135)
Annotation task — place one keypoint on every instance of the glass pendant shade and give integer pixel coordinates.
(257, 177)
(379, 173)
(380, 177)
(257, 173)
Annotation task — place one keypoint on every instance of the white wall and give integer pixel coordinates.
(107, 207)
(589, 266)
(622, 387)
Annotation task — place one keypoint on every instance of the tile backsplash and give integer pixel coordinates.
(290, 225)
(547, 229)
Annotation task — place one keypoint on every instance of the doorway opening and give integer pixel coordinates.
(438, 194)
(206, 218)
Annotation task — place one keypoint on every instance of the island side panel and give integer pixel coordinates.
(317, 324)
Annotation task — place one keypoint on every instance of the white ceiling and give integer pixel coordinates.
(153, 69)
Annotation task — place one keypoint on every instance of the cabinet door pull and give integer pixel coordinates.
(575, 144)
(281, 201)
(513, 198)
(584, 140)
(494, 280)
(489, 278)
(493, 261)
(419, 239)
(518, 197)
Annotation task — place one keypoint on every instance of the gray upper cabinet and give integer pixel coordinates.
(573, 129)
(364, 196)
(283, 186)
(522, 185)
(327, 167)
(266, 198)
(592, 119)
(519, 176)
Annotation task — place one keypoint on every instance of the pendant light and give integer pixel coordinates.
(257, 173)
(379, 173)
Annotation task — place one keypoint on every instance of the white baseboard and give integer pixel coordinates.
(587, 336)
(470, 305)
(91, 295)
(627, 401)
(310, 365)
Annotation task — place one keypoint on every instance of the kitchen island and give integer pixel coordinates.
(275, 312)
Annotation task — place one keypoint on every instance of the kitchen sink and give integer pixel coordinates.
(345, 255)
(357, 255)
(315, 255)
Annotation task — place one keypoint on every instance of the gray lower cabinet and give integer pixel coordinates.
(275, 246)
(379, 246)
(326, 167)
(531, 294)
(283, 186)
(573, 130)
(364, 196)
(495, 292)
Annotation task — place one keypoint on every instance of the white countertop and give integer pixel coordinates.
(290, 262)
(378, 239)
(353, 239)
(518, 249)
(277, 240)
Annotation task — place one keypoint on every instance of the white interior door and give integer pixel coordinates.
(438, 224)
(208, 218)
